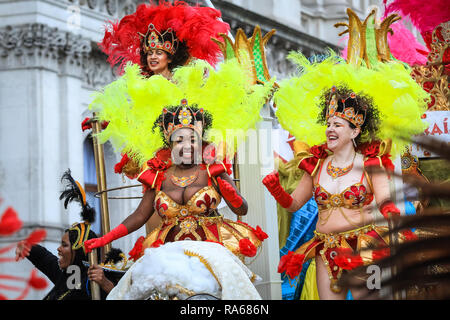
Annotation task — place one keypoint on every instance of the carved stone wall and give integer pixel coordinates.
(40, 46)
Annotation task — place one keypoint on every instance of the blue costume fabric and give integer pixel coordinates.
(303, 224)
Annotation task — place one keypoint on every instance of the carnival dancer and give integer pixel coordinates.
(71, 252)
(159, 38)
(186, 177)
(361, 112)
(174, 32)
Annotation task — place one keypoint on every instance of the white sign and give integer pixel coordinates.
(438, 129)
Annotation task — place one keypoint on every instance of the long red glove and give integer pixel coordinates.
(389, 207)
(116, 233)
(229, 193)
(272, 183)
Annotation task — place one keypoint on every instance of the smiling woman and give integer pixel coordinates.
(186, 178)
(359, 113)
(158, 62)
(65, 253)
(183, 32)
(360, 132)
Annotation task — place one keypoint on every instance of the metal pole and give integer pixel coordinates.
(237, 178)
(95, 288)
(397, 194)
(101, 180)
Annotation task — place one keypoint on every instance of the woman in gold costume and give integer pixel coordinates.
(185, 192)
(188, 173)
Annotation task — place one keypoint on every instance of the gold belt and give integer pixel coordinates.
(189, 224)
(331, 240)
(200, 219)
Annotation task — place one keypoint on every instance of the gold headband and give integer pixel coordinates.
(186, 117)
(347, 113)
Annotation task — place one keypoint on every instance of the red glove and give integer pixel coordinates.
(116, 233)
(85, 125)
(272, 183)
(389, 207)
(229, 193)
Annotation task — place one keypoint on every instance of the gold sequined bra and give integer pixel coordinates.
(201, 203)
(195, 222)
(353, 197)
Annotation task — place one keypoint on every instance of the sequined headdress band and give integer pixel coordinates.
(345, 112)
(187, 118)
(155, 40)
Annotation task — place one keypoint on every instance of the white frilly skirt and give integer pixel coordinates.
(184, 269)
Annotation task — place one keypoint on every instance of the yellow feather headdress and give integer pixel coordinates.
(399, 100)
(133, 103)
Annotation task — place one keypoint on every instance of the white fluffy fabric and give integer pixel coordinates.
(168, 267)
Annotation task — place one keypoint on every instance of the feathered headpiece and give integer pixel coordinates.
(73, 191)
(192, 25)
(369, 73)
(186, 117)
(133, 103)
(432, 19)
(398, 98)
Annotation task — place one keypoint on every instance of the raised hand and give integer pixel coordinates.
(272, 181)
(22, 250)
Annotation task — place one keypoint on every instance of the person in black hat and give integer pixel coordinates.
(67, 271)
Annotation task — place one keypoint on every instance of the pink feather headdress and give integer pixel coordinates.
(425, 15)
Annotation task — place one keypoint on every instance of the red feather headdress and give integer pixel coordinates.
(192, 25)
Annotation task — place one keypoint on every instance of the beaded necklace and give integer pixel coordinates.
(336, 172)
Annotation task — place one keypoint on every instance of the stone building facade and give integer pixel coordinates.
(49, 67)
